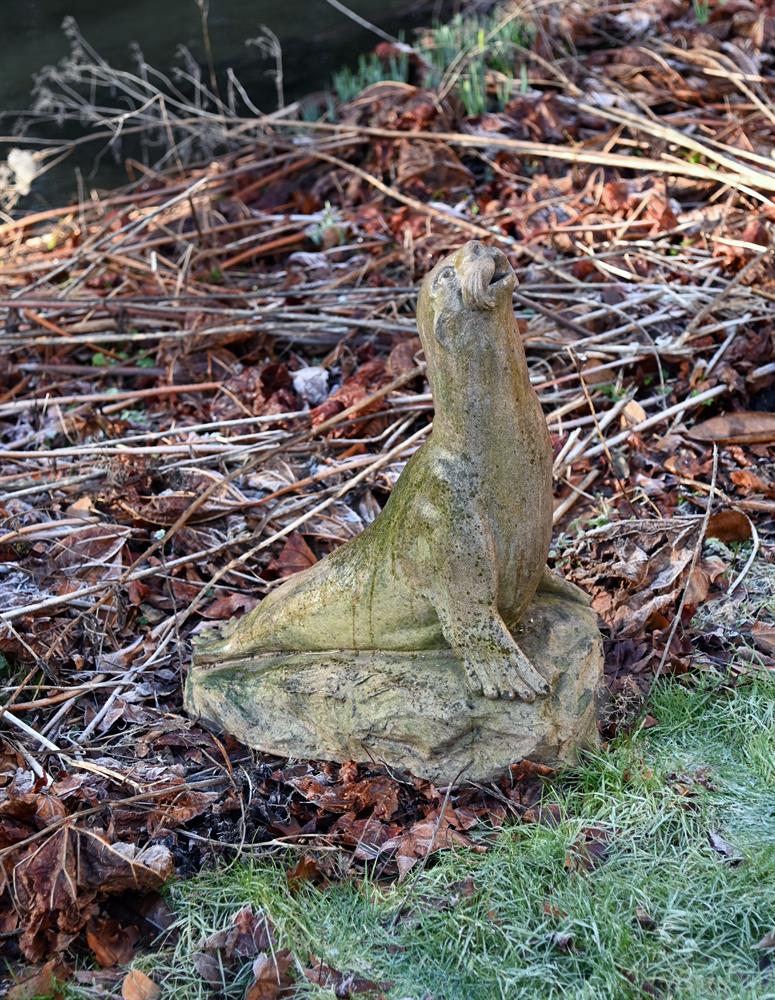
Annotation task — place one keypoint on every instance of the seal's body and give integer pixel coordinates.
(460, 548)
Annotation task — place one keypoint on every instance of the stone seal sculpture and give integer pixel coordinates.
(437, 640)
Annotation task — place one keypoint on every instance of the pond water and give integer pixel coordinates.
(316, 40)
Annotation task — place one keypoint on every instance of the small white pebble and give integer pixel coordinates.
(311, 384)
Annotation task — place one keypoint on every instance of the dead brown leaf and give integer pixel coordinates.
(343, 984)
(729, 526)
(764, 637)
(722, 846)
(228, 606)
(306, 870)
(632, 414)
(644, 918)
(423, 169)
(745, 427)
(589, 850)
(42, 982)
(697, 587)
(637, 570)
(271, 976)
(93, 553)
(254, 391)
(366, 380)
(248, 934)
(767, 943)
(294, 556)
(402, 358)
(59, 881)
(167, 507)
(137, 986)
(750, 482)
(434, 833)
(111, 943)
(378, 792)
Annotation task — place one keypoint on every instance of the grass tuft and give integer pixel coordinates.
(650, 908)
(349, 83)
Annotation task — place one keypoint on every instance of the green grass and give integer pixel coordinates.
(662, 913)
(348, 83)
(701, 11)
(488, 45)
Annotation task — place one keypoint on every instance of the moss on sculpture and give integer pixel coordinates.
(459, 552)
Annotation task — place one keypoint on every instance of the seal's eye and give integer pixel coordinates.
(444, 284)
(445, 277)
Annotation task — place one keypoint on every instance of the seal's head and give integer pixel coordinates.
(474, 281)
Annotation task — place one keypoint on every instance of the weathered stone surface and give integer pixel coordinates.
(402, 645)
(410, 710)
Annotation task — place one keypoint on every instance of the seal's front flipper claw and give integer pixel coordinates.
(508, 675)
(527, 673)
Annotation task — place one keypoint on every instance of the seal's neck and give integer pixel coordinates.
(481, 388)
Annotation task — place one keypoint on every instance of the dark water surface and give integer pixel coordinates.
(316, 40)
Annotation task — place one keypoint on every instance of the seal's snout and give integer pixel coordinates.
(476, 274)
(483, 270)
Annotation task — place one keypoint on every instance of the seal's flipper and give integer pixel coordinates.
(504, 675)
(553, 583)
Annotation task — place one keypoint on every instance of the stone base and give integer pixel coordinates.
(410, 710)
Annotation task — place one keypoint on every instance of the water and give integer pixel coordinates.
(316, 40)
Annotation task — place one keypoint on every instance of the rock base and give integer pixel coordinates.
(410, 710)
